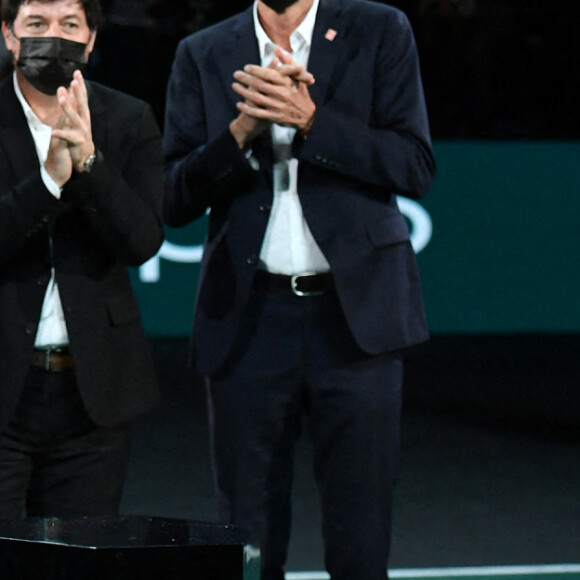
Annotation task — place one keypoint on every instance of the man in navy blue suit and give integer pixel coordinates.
(297, 122)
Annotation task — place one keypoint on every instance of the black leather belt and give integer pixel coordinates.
(306, 284)
(55, 361)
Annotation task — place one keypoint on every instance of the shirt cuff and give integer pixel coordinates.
(50, 183)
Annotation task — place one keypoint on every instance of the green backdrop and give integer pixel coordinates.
(497, 240)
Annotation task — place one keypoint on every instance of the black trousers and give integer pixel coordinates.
(297, 360)
(54, 461)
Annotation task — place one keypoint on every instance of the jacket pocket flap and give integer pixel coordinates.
(391, 230)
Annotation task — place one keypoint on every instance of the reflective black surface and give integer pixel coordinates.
(124, 547)
(120, 531)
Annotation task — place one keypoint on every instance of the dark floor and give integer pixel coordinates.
(490, 469)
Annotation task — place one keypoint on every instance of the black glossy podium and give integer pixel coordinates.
(124, 548)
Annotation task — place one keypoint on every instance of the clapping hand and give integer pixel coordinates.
(72, 140)
(274, 94)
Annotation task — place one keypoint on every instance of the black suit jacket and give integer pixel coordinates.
(104, 221)
(370, 141)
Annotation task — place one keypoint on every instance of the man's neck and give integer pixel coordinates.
(279, 27)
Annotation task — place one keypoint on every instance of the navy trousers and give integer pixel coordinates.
(296, 363)
(54, 461)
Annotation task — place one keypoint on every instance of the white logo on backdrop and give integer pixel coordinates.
(419, 220)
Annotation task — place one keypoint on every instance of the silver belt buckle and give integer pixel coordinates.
(294, 285)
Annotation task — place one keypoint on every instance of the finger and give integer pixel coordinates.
(246, 93)
(263, 115)
(265, 74)
(270, 107)
(256, 102)
(72, 95)
(57, 142)
(80, 91)
(62, 123)
(297, 73)
(68, 105)
(78, 76)
(257, 85)
(62, 97)
(69, 136)
(288, 66)
(249, 88)
(282, 54)
(260, 99)
(258, 112)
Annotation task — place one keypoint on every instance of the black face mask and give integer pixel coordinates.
(49, 62)
(279, 5)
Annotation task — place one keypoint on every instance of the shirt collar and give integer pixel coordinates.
(32, 118)
(302, 34)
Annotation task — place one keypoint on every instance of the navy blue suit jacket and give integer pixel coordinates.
(369, 142)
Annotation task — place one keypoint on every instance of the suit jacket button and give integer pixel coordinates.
(264, 208)
(30, 329)
(252, 259)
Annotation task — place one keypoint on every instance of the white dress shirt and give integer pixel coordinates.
(288, 246)
(52, 330)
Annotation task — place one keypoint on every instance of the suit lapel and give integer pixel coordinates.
(327, 40)
(15, 136)
(239, 49)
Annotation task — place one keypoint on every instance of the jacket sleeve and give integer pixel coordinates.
(389, 146)
(122, 199)
(200, 171)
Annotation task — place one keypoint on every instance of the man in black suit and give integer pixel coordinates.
(80, 200)
(297, 122)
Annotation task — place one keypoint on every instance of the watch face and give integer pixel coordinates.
(88, 165)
